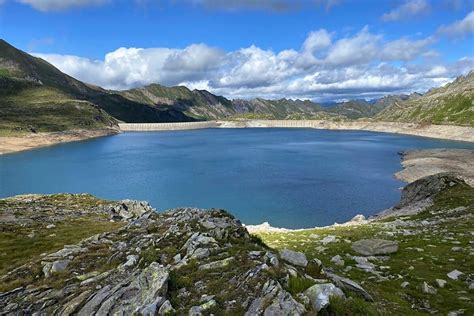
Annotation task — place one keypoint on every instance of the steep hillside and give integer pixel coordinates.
(200, 104)
(451, 104)
(30, 107)
(33, 90)
(276, 109)
(357, 108)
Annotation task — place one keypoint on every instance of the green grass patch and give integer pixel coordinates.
(17, 248)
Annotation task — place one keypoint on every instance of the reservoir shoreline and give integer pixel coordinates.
(11, 144)
(448, 132)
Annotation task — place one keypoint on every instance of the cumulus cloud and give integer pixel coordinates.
(61, 5)
(459, 28)
(408, 9)
(325, 66)
(132, 67)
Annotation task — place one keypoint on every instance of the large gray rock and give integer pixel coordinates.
(293, 257)
(131, 209)
(372, 247)
(349, 285)
(454, 275)
(427, 289)
(427, 187)
(59, 266)
(320, 295)
(217, 264)
(275, 301)
(143, 293)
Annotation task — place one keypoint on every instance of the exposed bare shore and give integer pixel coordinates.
(10, 144)
(421, 163)
(450, 132)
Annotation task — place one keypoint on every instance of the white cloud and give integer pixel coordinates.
(459, 28)
(361, 48)
(408, 9)
(131, 67)
(61, 5)
(324, 67)
(404, 49)
(316, 41)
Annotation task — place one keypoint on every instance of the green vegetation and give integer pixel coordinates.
(19, 245)
(298, 285)
(451, 104)
(35, 96)
(34, 91)
(425, 254)
(353, 306)
(52, 111)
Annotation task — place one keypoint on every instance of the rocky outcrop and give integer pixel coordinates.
(184, 261)
(426, 188)
(418, 195)
(373, 247)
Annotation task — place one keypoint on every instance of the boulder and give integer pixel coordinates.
(143, 292)
(217, 264)
(428, 289)
(293, 257)
(60, 265)
(454, 275)
(337, 260)
(320, 294)
(372, 247)
(275, 301)
(349, 285)
(328, 239)
(441, 283)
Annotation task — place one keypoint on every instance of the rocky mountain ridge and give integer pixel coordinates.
(450, 104)
(36, 96)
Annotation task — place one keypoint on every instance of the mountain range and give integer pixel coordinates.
(36, 96)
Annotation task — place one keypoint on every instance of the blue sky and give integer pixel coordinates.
(316, 49)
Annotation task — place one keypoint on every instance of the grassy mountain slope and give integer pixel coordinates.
(451, 104)
(276, 109)
(199, 104)
(357, 109)
(33, 90)
(26, 107)
(38, 96)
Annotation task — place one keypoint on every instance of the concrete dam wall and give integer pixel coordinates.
(461, 133)
(137, 127)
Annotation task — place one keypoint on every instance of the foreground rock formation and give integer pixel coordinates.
(184, 261)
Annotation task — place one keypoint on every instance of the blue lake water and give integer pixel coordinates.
(293, 178)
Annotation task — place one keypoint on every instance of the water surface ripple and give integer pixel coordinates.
(293, 178)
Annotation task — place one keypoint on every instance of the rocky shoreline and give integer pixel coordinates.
(11, 144)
